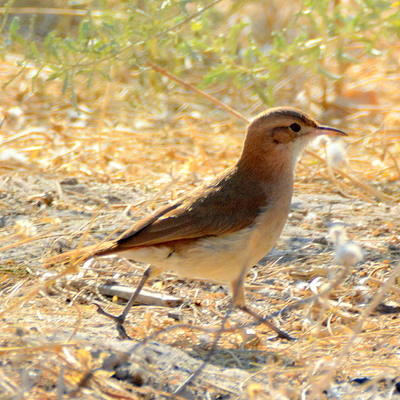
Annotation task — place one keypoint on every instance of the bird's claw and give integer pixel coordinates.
(118, 319)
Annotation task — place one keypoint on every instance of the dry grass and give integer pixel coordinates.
(120, 156)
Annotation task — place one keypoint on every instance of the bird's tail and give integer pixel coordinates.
(81, 255)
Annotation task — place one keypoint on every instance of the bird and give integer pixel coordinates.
(219, 230)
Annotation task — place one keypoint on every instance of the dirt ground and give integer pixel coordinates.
(58, 193)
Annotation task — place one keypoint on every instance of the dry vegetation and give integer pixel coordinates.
(71, 177)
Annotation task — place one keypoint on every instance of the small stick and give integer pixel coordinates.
(198, 91)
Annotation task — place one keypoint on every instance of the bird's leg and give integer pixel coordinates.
(120, 319)
(282, 334)
(238, 296)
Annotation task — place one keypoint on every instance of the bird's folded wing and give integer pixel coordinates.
(220, 210)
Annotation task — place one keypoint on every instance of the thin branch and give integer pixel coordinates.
(198, 91)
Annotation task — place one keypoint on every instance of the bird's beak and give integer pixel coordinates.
(328, 130)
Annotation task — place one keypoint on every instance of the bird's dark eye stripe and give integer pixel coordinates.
(295, 127)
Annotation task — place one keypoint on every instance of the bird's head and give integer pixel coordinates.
(280, 134)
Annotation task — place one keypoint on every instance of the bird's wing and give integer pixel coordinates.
(223, 207)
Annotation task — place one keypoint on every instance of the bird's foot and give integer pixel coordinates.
(118, 319)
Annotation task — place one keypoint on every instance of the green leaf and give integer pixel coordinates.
(14, 27)
(65, 83)
(34, 51)
(55, 75)
(327, 73)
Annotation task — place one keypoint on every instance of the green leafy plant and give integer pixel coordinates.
(209, 47)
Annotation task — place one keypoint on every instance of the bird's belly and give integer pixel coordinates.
(216, 258)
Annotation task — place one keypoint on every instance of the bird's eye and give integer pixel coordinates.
(295, 127)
